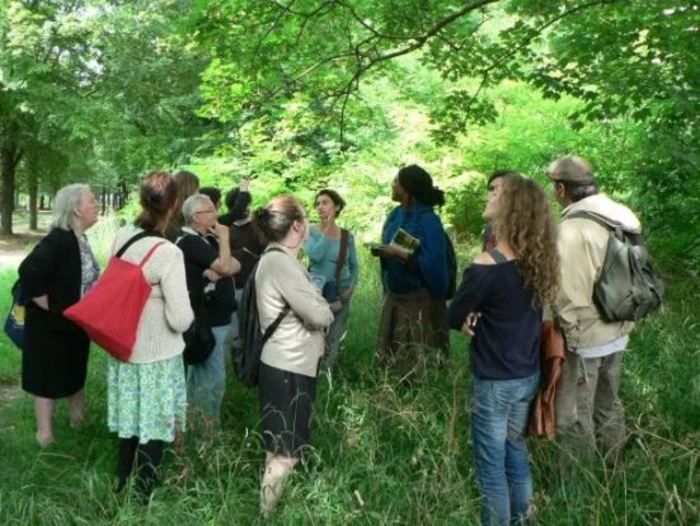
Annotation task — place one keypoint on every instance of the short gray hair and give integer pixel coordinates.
(189, 207)
(64, 204)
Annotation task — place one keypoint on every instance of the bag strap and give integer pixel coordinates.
(273, 326)
(150, 253)
(342, 254)
(498, 256)
(134, 239)
(608, 224)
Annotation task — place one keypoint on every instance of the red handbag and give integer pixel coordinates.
(110, 312)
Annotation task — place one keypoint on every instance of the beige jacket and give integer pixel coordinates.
(298, 343)
(167, 313)
(582, 245)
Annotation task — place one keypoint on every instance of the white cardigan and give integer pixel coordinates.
(167, 313)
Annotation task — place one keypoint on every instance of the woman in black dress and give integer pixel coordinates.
(55, 275)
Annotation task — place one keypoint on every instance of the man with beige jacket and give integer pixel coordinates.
(589, 411)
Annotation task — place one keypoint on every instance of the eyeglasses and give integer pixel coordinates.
(210, 211)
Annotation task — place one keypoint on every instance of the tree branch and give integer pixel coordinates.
(368, 27)
(420, 40)
(542, 28)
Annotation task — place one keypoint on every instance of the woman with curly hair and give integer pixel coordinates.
(505, 289)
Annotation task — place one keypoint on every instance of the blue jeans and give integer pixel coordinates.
(206, 381)
(234, 336)
(500, 410)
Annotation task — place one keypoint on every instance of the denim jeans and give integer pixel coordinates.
(206, 381)
(234, 336)
(500, 411)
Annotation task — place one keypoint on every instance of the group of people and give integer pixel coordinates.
(529, 266)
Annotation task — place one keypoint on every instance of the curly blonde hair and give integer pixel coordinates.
(524, 220)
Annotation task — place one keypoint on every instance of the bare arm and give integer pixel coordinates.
(225, 264)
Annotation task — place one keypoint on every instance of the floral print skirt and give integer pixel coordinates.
(146, 400)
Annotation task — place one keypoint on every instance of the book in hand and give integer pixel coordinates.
(405, 242)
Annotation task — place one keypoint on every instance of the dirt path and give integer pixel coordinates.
(14, 248)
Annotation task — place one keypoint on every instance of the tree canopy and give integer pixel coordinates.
(294, 90)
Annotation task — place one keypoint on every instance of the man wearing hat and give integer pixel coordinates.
(589, 411)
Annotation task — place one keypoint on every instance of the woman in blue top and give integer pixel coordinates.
(324, 249)
(505, 289)
(415, 281)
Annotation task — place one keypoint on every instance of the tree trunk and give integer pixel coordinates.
(8, 163)
(33, 201)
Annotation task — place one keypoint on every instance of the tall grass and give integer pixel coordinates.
(384, 452)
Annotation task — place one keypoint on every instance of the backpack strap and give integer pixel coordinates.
(606, 223)
(273, 326)
(150, 253)
(498, 256)
(342, 253)
(134, 239)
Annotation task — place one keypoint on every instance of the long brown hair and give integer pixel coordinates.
(524, 220)
(187, 184)
(158, 198)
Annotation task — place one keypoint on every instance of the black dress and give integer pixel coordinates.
(55, 356)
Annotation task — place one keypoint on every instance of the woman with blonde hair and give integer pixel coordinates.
(288, 301)
(505, 290)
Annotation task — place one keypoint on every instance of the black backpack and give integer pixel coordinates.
(246, 355)
(199, 338)
(628, 289)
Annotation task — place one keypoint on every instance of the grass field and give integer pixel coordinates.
(384, 452)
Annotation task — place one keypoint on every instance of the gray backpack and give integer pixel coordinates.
(628, 289)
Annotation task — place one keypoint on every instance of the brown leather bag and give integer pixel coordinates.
(543, 417)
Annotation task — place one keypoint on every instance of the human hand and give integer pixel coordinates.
(469, 325)
(391, 252)
(375, 249)
(244, 184)
(219, 230)
(211, 275)
(347, 295)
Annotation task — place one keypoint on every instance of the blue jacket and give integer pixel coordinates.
(428, 265)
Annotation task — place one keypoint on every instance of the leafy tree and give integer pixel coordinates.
(44, 69)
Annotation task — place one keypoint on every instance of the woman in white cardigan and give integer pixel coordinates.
(146, 396)
(290, 357)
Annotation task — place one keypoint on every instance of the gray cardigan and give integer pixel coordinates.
(298, 343)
